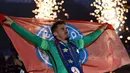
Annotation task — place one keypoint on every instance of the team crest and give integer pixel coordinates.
(75, 70)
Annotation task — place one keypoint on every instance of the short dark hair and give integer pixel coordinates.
(54, 26)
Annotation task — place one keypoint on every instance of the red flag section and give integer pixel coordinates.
(107, 53)
(2, 18)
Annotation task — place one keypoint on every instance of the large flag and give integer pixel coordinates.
(107, 53)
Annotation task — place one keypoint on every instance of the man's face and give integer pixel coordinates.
(61, 32)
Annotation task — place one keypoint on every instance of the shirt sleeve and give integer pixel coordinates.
(87, 40)
(41, 43)
(93, 36)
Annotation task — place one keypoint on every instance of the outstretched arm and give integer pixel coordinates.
(93, 36)
(26, 34)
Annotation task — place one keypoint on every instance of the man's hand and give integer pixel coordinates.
(109, 26)
(8, 20)
(102, 28)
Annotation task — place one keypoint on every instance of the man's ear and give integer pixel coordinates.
(55, 33)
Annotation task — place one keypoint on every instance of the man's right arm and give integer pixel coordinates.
(39, 42)
(29, 36)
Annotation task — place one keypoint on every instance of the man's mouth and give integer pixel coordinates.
(66, 32)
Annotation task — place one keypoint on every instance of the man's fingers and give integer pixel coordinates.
(7, 18)
(6, 22)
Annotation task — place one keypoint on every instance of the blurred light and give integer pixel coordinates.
(63, 9)
(126, 41)
(127, 28)
(60, 7)
(62, 1)
(121, 24)
(47, 9)
(67, 15)
(58, 11)
(110, 11)
(128, 38)
(91, 20)
(121, 36)
(56, 7)
(91, 4)
(120, 29)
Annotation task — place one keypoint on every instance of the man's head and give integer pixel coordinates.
(59, 30)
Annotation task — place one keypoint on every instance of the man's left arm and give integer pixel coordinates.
(87, 40)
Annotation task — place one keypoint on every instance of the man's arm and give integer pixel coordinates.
(27, 35)
(93, 36)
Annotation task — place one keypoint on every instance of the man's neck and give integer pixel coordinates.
(65, 40)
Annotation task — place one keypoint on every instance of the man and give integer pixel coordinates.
(63, 53)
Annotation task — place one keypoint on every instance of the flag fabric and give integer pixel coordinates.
(105, 54)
